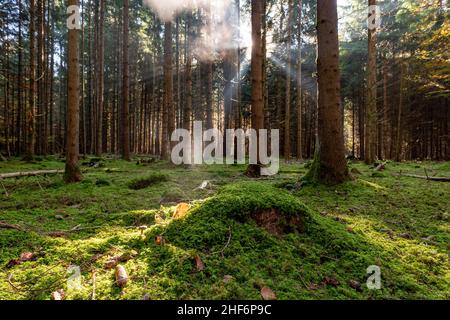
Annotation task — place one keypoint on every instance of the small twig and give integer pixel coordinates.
(39, 185)
(12, 284)
(6, 191)
(226, 245)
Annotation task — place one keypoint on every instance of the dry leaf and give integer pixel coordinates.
(112, 263)
(330, 281)
(355, 285)
(268, 294)
(26, 256)
(313, 286)
(58, 295)
(121, 276)
(199, 264)
(13, 262)
(159, 240)
(181, 210)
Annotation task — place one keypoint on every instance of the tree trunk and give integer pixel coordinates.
(398, 148)
(257, 80)
(125, 86)
(299, 83)
(187, 114)
(287, 114)
(168, 112)
(100, 85)
(32, 94)
(72, 172)
(330, 165)
(371, 111)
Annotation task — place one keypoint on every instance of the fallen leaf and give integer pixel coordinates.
(58, 295)
(121, 276)
(355, 285)
(330, 281)
(199, 264)
(112, 263)
(159, 240)
(180, 211)
(26, 256)
(313, 286)
(268, 294)
(12, 263)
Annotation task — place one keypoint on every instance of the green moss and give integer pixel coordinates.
(399, 224)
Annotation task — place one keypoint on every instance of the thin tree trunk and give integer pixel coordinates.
(72, 171)
(125, 86)
(32, 94)
(299, 83)
(168, 112)
(287, 114)
(371, 111)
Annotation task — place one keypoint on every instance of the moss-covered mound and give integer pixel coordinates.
(256, 204)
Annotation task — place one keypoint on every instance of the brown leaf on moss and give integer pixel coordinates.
(268, 294)
(58, 295)
(180, 211)
(121, 276)
(355, 285)
(26, 256)
(330, 281)
(160, 241)
(199, 264)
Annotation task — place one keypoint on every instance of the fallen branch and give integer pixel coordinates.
(439, 179)
(4, 225)
(29, 174)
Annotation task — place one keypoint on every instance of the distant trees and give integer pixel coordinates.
(140, 78)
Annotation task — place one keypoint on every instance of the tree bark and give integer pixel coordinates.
(72, 171)
(287, 114)
(125, 86)
(371, 111)
(257, 79)
(299, 83)
(168, 112)
(330, 165)
(32, 94)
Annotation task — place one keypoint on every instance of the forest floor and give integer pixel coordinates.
(221, 248)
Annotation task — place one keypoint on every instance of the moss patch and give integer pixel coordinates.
(398, 224)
